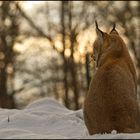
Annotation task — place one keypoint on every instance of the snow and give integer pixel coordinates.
(47, 119)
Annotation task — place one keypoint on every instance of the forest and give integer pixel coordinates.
(46, 47)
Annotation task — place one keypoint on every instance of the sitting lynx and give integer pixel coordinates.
(111, 102)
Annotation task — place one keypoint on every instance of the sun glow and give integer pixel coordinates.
(28, 5)
(84, 39)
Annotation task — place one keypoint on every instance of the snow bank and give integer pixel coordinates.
(47, 119)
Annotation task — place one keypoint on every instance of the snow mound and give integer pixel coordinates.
(47, 119)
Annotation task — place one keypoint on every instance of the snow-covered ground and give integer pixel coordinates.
(47, 119)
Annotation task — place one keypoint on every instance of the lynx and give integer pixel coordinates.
(111, 102)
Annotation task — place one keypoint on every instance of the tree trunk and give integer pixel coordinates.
(65, 70)
(6, 49)
(73, 68)
(6, 101)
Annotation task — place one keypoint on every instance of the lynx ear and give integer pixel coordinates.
(113, 31)
(99, 33)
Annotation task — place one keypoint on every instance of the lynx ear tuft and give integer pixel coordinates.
(114, 26)
(113, 31)
(96, 24)
(99, 33)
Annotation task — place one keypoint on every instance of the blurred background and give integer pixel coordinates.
(46, 47)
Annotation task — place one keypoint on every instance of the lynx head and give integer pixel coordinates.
(106, 42)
